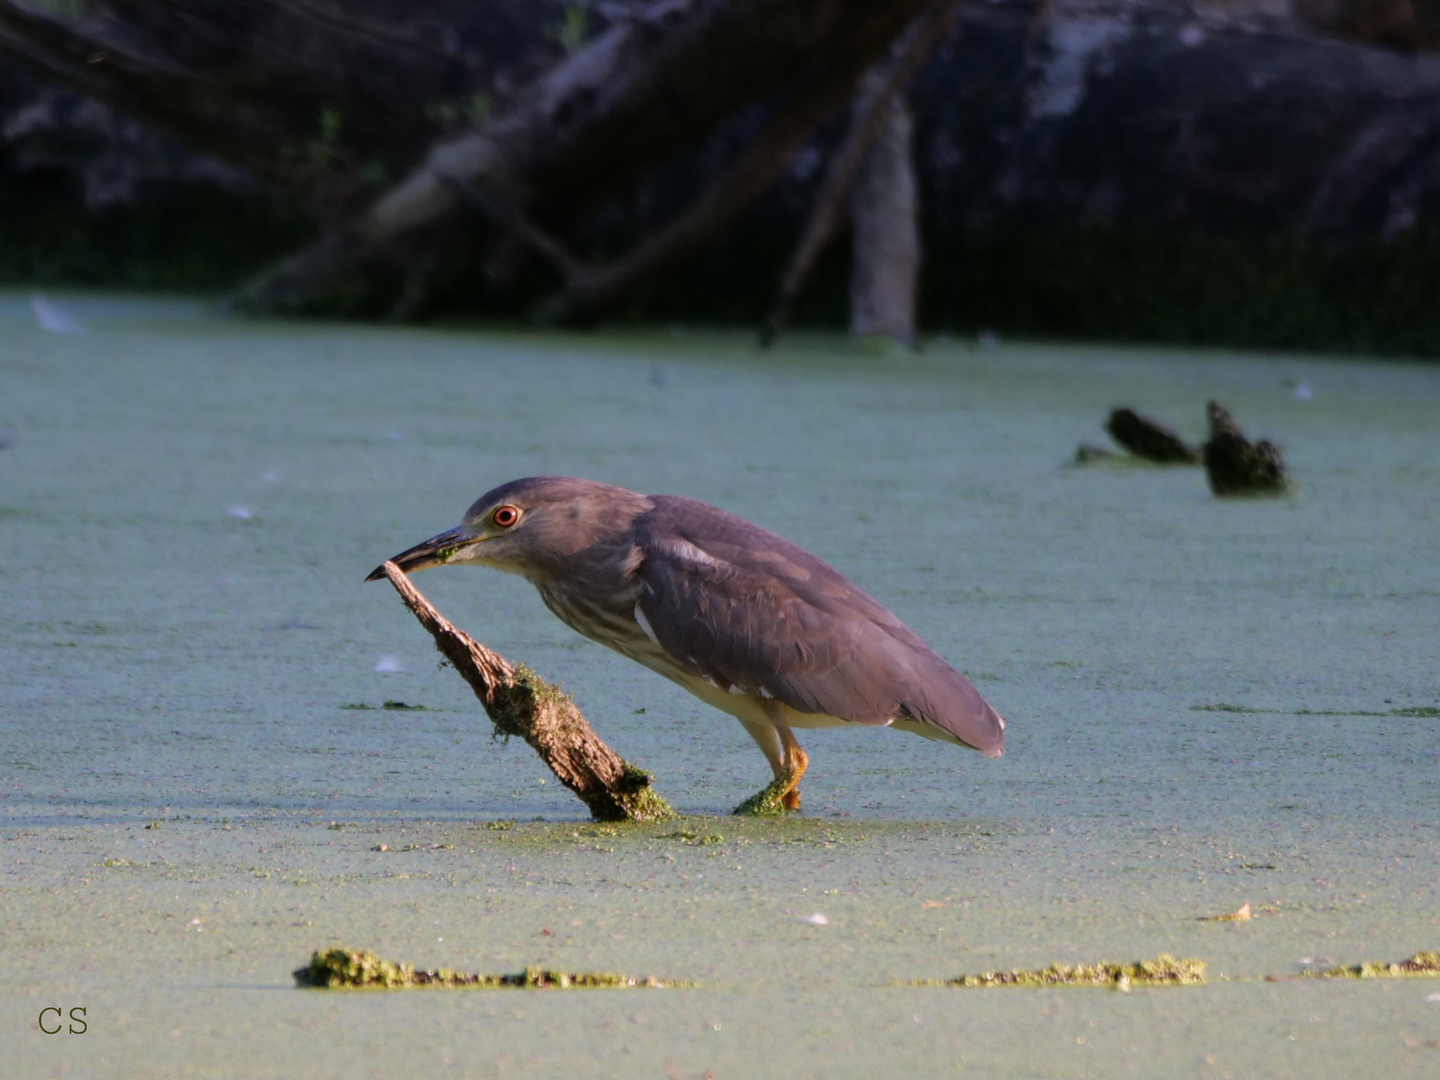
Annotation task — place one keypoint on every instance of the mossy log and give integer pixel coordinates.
(341, 968)
(1145, 438)
(1236, 466)
(520, 703)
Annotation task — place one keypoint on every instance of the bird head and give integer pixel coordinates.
(528, 527)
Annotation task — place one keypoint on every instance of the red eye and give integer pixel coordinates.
(505, 516)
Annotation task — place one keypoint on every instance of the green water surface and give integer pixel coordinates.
(1209, 702)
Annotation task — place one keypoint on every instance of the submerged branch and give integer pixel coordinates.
(521, 703)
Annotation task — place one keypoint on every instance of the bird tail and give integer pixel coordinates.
(958, 709)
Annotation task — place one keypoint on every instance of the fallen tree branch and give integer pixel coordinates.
(521, 703)
(606, 115)
(509, 216)
(908, 54)
(592, 292)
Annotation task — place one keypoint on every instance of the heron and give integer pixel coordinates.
(746, 621)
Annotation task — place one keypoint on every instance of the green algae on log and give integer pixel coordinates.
(1423, 965)
(519, 702)
(1236, 466)
(348, 968)
(1164, 970)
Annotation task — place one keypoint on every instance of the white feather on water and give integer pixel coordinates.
(53, 318)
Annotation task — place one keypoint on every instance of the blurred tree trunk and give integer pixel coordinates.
(884, 212)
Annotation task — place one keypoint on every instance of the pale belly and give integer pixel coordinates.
(752, 710)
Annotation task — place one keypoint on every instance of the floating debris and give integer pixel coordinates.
(816, 920)
(244, 513)
(1236, 466)
(1147, 439)
(52, 317)
(342, 968)
(1423, 965)
(389, 665)
(1164, 970)
(1243, 915)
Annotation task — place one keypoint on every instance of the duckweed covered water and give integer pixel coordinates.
(1210, 703)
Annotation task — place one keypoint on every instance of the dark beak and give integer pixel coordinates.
(433, 552)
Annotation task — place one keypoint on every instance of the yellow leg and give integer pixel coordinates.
(795, 763)
(768, 740)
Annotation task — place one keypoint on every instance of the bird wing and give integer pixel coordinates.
(753, 613)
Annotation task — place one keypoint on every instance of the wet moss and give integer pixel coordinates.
(639, 799)
(1423, 965)
(516, 710)
(1163, 970)
(766, 802)
(341, 968)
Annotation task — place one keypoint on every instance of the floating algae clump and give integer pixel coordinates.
(341, 968)
(1164, 970)
(1422, 965)
(767, 802)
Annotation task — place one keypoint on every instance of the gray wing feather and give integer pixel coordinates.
(743, 607)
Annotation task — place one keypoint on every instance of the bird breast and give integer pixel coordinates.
(597, 595)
